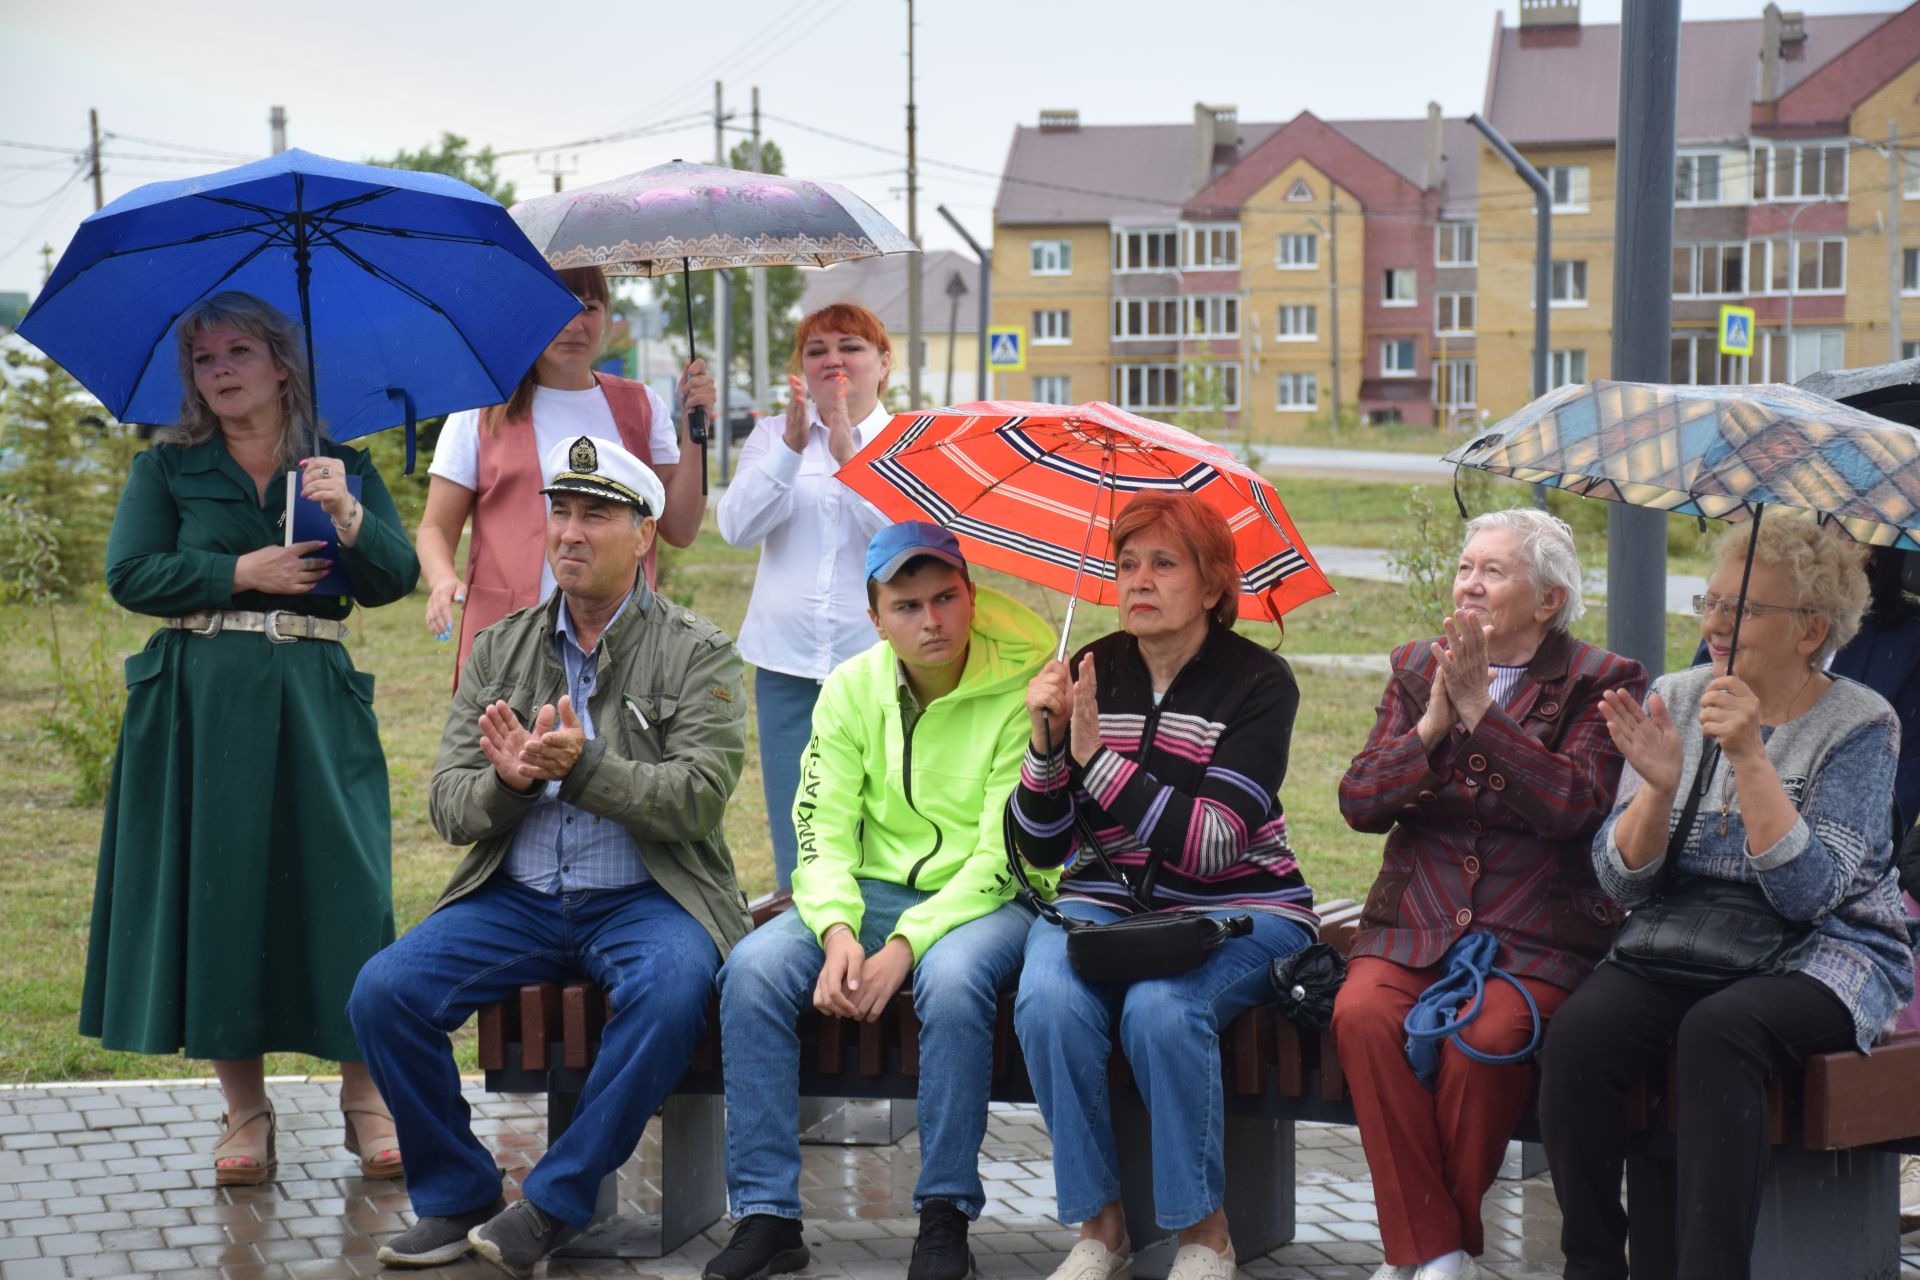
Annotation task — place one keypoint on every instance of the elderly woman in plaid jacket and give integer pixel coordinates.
(1488, 769)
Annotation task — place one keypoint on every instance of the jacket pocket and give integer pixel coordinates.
(1382, 907)
(1584, 921)
(144, 665)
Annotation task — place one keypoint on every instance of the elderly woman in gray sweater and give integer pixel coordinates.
(1797, 808)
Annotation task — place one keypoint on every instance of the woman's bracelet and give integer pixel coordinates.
(354, 515)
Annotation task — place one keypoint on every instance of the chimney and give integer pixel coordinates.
(1060, 120)
(1216, 140)
(1771, 22)
(1549, 13)
(1436, 158)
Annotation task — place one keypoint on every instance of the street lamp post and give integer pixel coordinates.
(1333, 309)
(1793, 277)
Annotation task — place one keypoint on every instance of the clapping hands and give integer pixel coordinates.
(526, 758)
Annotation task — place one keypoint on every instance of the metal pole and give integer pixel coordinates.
(93, 157)
(1793, 284)
(1333, 301)
(723, 365)
(915, 338)
(277, 121)
(1542, 261)
(980, 390)
(762, 388)
(1643, 306)
(1893, 241)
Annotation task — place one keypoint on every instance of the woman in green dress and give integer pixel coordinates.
(245, 863)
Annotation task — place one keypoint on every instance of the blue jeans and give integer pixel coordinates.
(656, 964)
(769, 980)
(1170, 1032)
(783, 708)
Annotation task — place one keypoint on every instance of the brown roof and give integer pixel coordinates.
(1097, 173)
(1563, 86)
(880, 285)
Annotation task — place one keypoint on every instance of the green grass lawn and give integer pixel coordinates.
(46, 881)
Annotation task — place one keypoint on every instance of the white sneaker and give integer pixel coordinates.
(1091, 1260)
(1388, 1271)
(1197, 1262)
(1469, 1270)
(1909, 1193)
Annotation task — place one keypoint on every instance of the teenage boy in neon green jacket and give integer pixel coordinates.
(903, 871)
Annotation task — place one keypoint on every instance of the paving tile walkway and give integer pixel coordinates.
(112, 1181)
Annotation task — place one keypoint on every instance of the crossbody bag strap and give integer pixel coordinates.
(1689, 813)
(1084, 829)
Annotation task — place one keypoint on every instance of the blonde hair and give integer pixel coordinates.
(300, 435)
(1826, 572)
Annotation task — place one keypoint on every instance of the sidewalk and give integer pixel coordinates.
(115, 1181)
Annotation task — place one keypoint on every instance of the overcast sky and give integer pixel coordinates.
(361, 79)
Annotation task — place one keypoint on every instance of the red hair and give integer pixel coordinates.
(1195, 525)
(840, 317)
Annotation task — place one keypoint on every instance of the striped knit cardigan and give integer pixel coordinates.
(1191, 785)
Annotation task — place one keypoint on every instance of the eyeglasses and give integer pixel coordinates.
(1707, 606)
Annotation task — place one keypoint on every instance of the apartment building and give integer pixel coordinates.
(1285, 265)
(1796, 193)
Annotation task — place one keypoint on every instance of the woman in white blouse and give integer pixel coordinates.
(808, 612)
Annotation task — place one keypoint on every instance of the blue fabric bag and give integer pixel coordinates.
(1439, 1013)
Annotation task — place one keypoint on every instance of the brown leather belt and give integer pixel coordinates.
(281, 626)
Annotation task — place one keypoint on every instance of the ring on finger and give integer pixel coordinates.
(325, 472)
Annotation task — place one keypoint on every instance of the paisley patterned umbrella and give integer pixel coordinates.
(699, 217)
(1031, 489)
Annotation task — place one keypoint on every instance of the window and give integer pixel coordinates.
(1822, 266)
(1398, 286)
(1568, 183)
(1298, 392)
(1052, 328)
(1910, 271)
(1709, 270)
(1815, 351)
(1696, 179)
(1809, 171)
(1397, 358)
(1697, 360)
(1052, 389)
(1456, 244)
(1564, 367)
(1146, 249)
(1298, 251)
(1213, 315)
(1214, 385)
(1568, 286)
(1453, 312)
(1910, 175)
(1203, 247)
(1453, 383)
(1158, 386)
(1052, 257)
(1910, 350)
(1299, 192)
(1146, 318)
(1297, 324)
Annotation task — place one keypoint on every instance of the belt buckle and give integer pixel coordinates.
(218, 619)
(273, 628)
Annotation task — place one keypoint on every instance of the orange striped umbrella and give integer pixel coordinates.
(1031, 490)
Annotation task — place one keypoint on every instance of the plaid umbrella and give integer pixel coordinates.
(1031, 489)
(1726, 453)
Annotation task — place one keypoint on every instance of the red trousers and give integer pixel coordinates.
(1433, 1153)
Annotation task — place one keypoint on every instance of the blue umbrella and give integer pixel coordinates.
(418, 293)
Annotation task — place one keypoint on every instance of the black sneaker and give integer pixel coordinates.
(940, 1250)
(516, 1238)
(763, 1245)
(433, 1242)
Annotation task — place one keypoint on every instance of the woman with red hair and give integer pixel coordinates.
(808, 612)
(1153, 775)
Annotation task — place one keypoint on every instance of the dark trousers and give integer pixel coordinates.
(1614, 1031)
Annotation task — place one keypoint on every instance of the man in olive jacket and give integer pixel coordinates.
(588, 757)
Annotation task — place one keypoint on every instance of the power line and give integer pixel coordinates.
(212, 152)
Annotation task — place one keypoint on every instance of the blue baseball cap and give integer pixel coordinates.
(896, 544)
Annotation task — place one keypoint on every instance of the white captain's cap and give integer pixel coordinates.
(603, 469)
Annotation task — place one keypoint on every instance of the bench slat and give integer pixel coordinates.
(583, 1012)
(1853, 1099)
(539, 1021)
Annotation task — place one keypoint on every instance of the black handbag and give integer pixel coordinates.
(1305, 983)
(1145, 944)
(1702, 931)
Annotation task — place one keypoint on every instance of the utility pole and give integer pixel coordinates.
(277, 121)
(956, 290)
(980, 390)
(721, 364)
(762, 390)
(1542, 260)
(1333, 297)
(914, 337)
(1643, 306)
(46, 263)
(559, 168)
(93, 156)
(1894, 280)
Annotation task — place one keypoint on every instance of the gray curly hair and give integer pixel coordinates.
(1827, 572)
(1546, 544)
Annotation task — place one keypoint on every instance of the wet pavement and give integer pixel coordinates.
(115, 1180)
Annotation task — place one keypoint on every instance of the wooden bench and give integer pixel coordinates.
(1831, 1206)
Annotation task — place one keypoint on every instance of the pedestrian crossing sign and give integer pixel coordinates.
(1007, 348)
(1736, 331)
